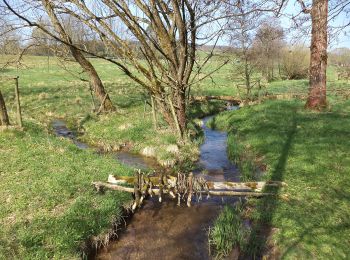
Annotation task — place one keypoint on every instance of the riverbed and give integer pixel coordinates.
(165, 230)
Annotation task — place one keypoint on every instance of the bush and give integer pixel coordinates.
(295, 63)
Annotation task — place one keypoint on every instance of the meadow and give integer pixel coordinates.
(48, 208)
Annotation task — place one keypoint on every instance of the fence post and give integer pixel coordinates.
(4, 118)
(19, 112)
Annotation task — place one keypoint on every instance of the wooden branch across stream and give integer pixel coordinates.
(182, 187)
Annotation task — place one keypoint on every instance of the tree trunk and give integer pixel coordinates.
(4, 119)
(173, 110)
(247, 77)
(95, 80)
(164, 110)
(318, 59)
(181, 111)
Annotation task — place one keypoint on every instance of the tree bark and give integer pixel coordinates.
(4, 119)
(247, 77)
(165, 110)
(95, 80)
(318, 59)
(86, 65)
(181, 113)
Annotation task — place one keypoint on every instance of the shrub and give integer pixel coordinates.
(295, 63)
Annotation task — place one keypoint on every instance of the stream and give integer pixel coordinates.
(165, 230)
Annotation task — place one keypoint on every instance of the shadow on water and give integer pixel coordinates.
(213, 160)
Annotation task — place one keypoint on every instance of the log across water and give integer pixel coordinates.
(175, 232)
(184, 186)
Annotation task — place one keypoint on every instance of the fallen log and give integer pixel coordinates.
(234, 100)
(114, 179)
(238, 193)
(253, 185)
(100, 185)
(183, 187)
(238, 101)
(156, 191)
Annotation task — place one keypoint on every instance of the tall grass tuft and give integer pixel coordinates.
(229, 231)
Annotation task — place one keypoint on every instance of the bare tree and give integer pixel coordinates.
(267, 45)
(295, 62)
(173, 38)
(241, 31)
(95, 80)
(9, 39)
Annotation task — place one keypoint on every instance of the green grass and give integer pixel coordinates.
(48, 208)
(309, 151)
(228, 231)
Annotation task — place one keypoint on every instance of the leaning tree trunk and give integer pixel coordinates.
(95, 80)
(4, 119)
(318, 59)
(96, 83)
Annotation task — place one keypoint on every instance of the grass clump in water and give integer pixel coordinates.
(229, 231)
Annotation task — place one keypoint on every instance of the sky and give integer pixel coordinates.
(342, 39)
(296, 37)
(292, 8)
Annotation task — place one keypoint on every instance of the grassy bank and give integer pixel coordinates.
(48, 208)
(309, 151)
(228, 231)
(49, 92)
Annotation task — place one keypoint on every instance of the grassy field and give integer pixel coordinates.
(45, 185)
(310, 152)
(48, 207)
(49, 92)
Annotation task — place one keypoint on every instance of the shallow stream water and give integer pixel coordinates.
(165, 230)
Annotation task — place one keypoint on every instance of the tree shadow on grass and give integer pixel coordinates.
(262, 225)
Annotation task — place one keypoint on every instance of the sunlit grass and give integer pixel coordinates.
(228, 231)
(308, 151)
(48, 208)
